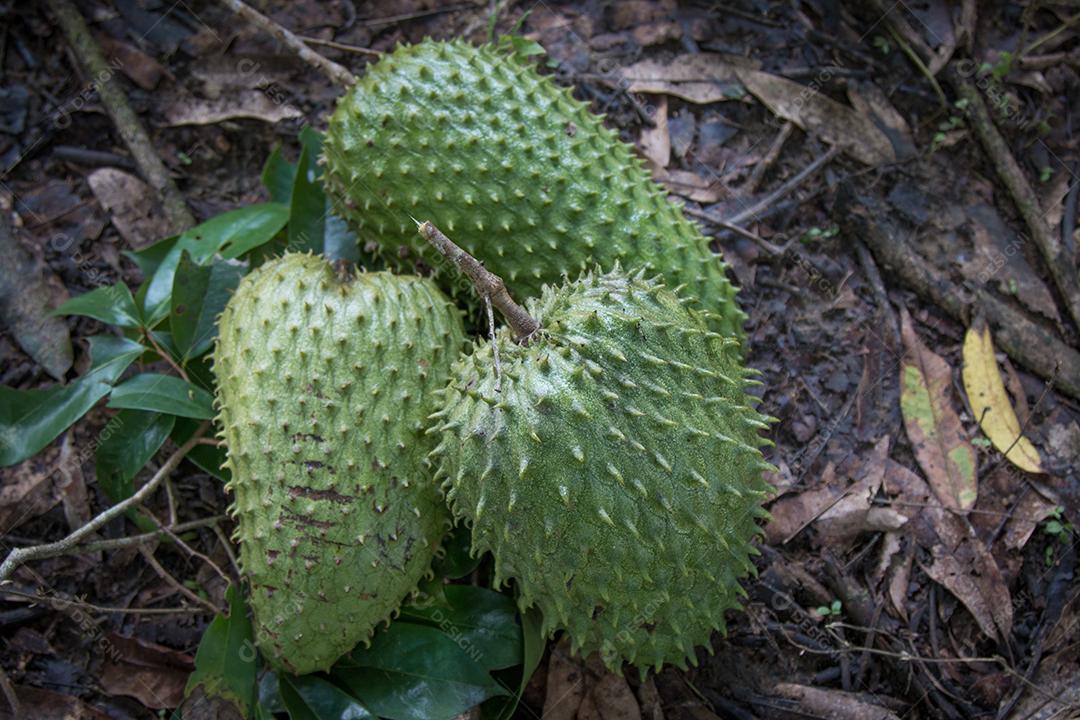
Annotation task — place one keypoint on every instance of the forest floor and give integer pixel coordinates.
(880, 177)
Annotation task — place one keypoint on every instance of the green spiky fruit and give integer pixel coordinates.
(616, 473)
(324, 384)
(514, 169)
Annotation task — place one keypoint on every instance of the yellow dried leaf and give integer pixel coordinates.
(986, 393)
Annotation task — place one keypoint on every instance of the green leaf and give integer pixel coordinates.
(532, 652)
(229, 234)
(277, 175)
(413, 672)
(128, 442)
(113, 305)
(225, 660)
(482, 622)
(163, 393)
(31, 419)
(235, 232)
(312, 224)
(199, 295)
(308, 697)
(456, 561)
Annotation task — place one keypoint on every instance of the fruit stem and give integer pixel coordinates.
(488, 285)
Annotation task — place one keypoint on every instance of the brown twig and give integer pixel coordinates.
(165, 575)
(127, 122)
(341, 46)
(18, 556)
(63, 604)
(1026, 342)
(488, 285)
(751, 212)
(1062, 270)
(338, 73)
(770, 157)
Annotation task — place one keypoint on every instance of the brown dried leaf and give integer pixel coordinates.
(253, 104)
(29, 291)
(152, 674)
(701, 78)
(834, 704)
(855, 513)
(28, 489)
(136, 210)
(970, 573)
(1030, 511)
(565, 683)
(609, 696)
(41, 704)
(792, 513)
(933, 427)
(140, 68)
(655, 143)
(815, 113)
(690, 185)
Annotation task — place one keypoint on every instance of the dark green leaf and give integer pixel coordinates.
(277, 176)
(225, 661)
(235, 232)
(308, 697)
(163, 393)
(110, 356)
(31, 419)
(128, 442)
(482, 622)
(312, 224)
(231, 234)
(307, 204)
(113, 305)
(456, 561)
(532, 651)
(199, 295)
(209, 458)
(413, 672)
(270, 692)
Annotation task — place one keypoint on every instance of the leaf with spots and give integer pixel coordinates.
(932, 425)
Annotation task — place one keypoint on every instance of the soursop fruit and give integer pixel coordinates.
(512, 167)
(325, 381)
(616, 474)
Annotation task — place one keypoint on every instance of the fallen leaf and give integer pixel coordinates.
(655, 142)
(566, 686)
(816, 113)
(869, 100)
(1058, 681)
(855, 512)
(701, 78)
(690, 185)
(71, 485)
(828, 703)
(253, 104)
(609, 696)
(649, 699)
(152, 674)
(41, 704)
(791, 513)
(932, 425)
(1032, 509)
(28, 489)
(986, 394)
(900, 580)
(140, 68)
(136, 210)
(970, 573)
(28, 293)
(656, 33)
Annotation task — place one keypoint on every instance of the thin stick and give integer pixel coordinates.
(53, 602)
(164, 574)
(751, 212)
(341, 46)
(337, 73)
(488, 284)
(18, 556)
(127, 122)
(118, 543)
(494, 345)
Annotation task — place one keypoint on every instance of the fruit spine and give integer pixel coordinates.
(324, 384)
(515, 169)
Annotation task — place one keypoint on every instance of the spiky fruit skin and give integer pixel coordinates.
(616, 474)
(324, 386)
(514, 169)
